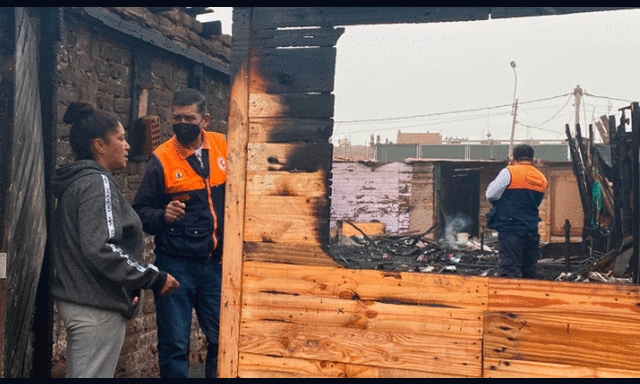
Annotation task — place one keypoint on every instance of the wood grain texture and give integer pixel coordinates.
(289, 253)
(316, 313)
(455, 292)
(407, 351)
(520, 295)
(594, 340)
(308, 184)
(231, 292)
(498, 368)
(260, 366)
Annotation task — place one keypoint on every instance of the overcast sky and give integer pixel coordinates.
(455, 78)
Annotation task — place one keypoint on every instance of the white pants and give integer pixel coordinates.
(94, 340)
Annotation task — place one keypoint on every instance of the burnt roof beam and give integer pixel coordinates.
(266, 17)
(195, 11)
(160, 9)
(151, 37)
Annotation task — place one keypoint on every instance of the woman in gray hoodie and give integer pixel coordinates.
(98, 245)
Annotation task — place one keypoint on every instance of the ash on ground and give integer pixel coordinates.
(467, 257)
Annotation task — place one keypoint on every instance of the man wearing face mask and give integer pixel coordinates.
(181, 202)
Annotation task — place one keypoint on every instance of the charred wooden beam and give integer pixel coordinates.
(579, 172)
(160, 9)
(195, 11)
(635, 163)
(211, 28)
(616, 180)
(51, 21)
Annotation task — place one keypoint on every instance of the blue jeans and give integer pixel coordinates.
(518, 254)
(200, 282)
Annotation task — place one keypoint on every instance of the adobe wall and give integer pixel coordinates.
(95, 64)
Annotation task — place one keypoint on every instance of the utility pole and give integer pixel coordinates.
(515, 108)
(513, 127)
(577, 94)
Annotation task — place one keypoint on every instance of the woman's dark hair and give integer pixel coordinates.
(87, 124)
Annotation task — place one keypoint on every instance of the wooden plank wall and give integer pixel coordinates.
(291, 78)
(288, 310)
(336, 322)
(557, 329)
(319, 321)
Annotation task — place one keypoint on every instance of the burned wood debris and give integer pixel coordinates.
(415, 252)
(608, 180)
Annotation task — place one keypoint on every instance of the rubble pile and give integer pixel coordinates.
(414, 252)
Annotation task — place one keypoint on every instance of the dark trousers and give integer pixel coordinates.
(200, 283)
(518, 254)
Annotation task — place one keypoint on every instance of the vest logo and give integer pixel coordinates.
(222, 164)
(178, 173)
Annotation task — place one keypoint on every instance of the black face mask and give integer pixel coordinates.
(186, 133)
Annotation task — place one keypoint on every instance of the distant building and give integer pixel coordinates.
(344, 151)
(419, 138)
(465, 150)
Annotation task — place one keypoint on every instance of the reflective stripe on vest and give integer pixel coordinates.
(525, 176)
(180, 177)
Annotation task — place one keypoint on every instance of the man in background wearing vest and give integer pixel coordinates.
(516, 194)
(181, 202)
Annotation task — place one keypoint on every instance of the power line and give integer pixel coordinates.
(387, 119)
(549, 119)
(475, 117)
(426, 124)
(608, 98)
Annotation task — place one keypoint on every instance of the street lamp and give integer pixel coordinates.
(515, 108)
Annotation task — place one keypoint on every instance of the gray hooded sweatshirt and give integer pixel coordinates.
(97, 242)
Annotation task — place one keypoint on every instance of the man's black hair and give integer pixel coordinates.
(190, 96)
(523, 152)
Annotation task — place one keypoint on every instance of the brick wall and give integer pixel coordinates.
(95, 65)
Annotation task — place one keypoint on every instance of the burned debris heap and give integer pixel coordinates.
(454, 253)
(414, 252)
(609, 184)
(607, 178)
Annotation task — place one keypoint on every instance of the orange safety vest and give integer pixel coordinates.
(525, 176)
(180, 178)
(517, 208)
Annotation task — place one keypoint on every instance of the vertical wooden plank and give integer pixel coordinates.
(51, 21)
(26, 205)
(635, 166)
(7, 62)
(238, 134)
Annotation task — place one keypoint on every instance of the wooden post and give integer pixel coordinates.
(238, 134)
(567, 244)
(578, 171)
(617, 189)
(635, 154)
(513, 129)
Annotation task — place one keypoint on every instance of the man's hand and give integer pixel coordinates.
(169, 286)
(174, 211)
